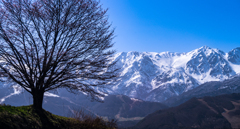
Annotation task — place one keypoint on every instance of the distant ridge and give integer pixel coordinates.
(213, 88)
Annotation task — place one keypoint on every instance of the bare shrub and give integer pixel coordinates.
(93, 120)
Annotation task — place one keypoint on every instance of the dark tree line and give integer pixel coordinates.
(50, 44)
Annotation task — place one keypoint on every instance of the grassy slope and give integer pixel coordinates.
(27, 117)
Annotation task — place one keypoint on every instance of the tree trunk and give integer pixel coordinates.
(37, 99)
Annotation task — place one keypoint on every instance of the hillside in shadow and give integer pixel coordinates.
(208, 112)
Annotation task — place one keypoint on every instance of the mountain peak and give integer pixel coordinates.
(234, 56)
(235, 50)
(205, 47)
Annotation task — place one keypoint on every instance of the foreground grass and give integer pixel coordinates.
(27, 117)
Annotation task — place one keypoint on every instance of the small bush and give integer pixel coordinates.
(93, 121)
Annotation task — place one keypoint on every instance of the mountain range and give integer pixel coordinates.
(156, 77)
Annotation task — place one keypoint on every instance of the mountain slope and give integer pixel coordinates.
(116, 106)
(207, 89)
(128, 111)
(208, 112)
(156, 77)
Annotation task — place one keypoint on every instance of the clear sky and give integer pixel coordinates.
(174, 25)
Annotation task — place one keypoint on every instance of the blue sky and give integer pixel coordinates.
(174, 25)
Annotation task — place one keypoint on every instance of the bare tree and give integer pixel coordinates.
(49, 44)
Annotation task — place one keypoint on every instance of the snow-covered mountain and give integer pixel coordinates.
(152, 76)
(157, 76)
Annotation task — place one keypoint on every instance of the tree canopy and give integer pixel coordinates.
(49, 44)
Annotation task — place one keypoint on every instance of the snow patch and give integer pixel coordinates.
(236, 68)
(180, 62)
(48, 94)
(134, 99)
(223, 87)
(16, 89)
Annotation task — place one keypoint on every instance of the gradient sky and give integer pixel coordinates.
(174, 25)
